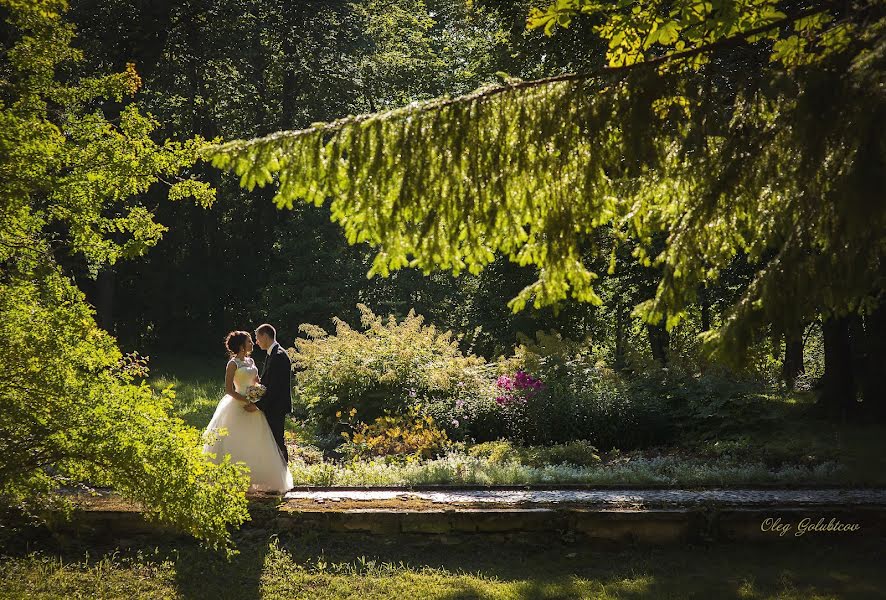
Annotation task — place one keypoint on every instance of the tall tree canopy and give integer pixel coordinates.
(731, 127)
(243, 260)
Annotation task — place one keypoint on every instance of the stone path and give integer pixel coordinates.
(605, 498)
(595, 515)
(615, 515)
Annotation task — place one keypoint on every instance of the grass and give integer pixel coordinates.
(199, 384)
(352, 565)
(776, 440)
(459, 468)
(786, 447)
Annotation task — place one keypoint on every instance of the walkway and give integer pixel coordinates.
(625, 498)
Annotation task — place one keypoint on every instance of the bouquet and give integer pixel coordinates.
(255, 392)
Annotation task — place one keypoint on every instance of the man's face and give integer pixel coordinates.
(264, 342)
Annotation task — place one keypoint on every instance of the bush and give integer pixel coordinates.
(495, 452)
(413, 436)
(385, 369)
(75, 413)
(715, 403)
(553, 392)
(579, 453)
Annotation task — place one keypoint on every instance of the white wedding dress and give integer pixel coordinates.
(249, 438)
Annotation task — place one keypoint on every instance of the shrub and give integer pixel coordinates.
(553, 392)
(384, 369)
(579, 452)
(715, 403)
(580, 399)
(413, 435)
(496, 452)
(76, 411)
(471, 414)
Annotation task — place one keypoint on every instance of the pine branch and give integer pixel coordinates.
(482, 94)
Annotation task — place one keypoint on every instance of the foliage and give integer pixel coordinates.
(75, 414)
(568, 396)
(583, 399)
(74, 171)
(638, 32)
(65, 160)
(391, 366)
(416, 49)
(728, 152)
(301, 63)
(710, 405)
(388, 366)
(578, 453)
(411, 436)
(458, 468)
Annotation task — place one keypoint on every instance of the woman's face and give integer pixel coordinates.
(247, 345)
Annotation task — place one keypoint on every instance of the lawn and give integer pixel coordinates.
(776, 441)
(352, 565)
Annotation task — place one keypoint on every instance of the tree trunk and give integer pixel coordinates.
(293, 21)
(659, 340)
(705, 308)
(105, 299)
(838, 383)
(874, 366)
(620, 335)
(792, 366)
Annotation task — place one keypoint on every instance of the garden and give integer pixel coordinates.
(399, 403)
(499, 249)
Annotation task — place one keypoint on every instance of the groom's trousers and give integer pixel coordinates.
(277, 427)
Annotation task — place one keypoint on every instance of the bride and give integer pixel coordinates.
(249, 438)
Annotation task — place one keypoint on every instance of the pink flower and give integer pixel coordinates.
(459, 403)
(523, 381)
(501, 400)
(455, 422)
(505, 382)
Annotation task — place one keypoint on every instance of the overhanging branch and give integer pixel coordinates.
(481, 94)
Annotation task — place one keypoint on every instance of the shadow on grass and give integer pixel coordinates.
(479, 567)
(789, 430)
(320, 566)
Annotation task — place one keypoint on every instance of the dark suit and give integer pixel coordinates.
(276, 376)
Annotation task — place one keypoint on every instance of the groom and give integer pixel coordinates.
(276, 376)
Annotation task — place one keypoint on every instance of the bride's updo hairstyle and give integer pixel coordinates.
(234, 341)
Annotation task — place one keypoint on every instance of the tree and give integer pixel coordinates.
(76, 163)
(244, 260)
(731, 127)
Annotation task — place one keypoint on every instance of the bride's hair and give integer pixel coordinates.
(235, 340)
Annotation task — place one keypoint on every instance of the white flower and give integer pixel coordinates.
(255, 392)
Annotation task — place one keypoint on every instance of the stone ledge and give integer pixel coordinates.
(590, 523)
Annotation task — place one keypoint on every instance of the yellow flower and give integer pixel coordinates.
(353, 412)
